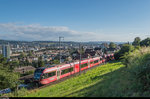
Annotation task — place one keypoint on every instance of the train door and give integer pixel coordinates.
(74, 67)
(58, 73)
(70, 69)
(99, 61)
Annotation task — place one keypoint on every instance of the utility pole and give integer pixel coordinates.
(59, 49)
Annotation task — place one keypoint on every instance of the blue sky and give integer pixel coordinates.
(76, 20)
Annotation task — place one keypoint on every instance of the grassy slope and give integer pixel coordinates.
(106, 80)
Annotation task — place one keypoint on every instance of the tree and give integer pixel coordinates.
(125, 49)
(81, 50)
(27, 62)
(3, 60)
(56, 61)
(22, 55)
(145, 42)
(136, 41)
(13, 64)
(40, 62)
(112, 45)
(21, 63)
(35, 64)
(72, 50)
(30, 53)
(8, 79)
(105, 51)
(105, 44)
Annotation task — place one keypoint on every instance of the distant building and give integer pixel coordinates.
(6, 51)
(17, 46)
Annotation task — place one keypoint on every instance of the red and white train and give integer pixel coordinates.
(45, 75)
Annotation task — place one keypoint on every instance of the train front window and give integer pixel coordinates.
(38, 73)
(39, 70)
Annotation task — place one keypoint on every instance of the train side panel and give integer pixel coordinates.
(76, 67)
(96, 61)
(61, 71)
(85, 63)
(49, 75)
(91, 61)
(65, 70)
(48, 80)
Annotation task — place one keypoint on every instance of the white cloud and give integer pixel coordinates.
(35, 32)
(13, 31)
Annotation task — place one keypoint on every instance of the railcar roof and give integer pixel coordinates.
(51, 66)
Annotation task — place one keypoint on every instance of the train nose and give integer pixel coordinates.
(36, 77)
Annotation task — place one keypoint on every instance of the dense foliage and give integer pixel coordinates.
(138, 63)
(125, 49)
(112, 45)
(8, 79)
(145, 42)
(136, 41)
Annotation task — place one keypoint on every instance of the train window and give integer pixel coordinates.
(52, 74)
(91, 62)
(39, 70)
(47, 75)
(67, 70)
(44, 76)
(107, 57)
(84, 65)
(71, 69)
(96, 61)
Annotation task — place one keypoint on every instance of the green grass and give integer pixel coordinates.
(107, 80)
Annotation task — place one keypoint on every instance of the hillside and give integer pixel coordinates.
(106, 80)
(110, 80)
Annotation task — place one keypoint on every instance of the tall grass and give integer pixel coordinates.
(138, 63)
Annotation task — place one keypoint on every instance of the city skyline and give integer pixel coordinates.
(76, 20)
